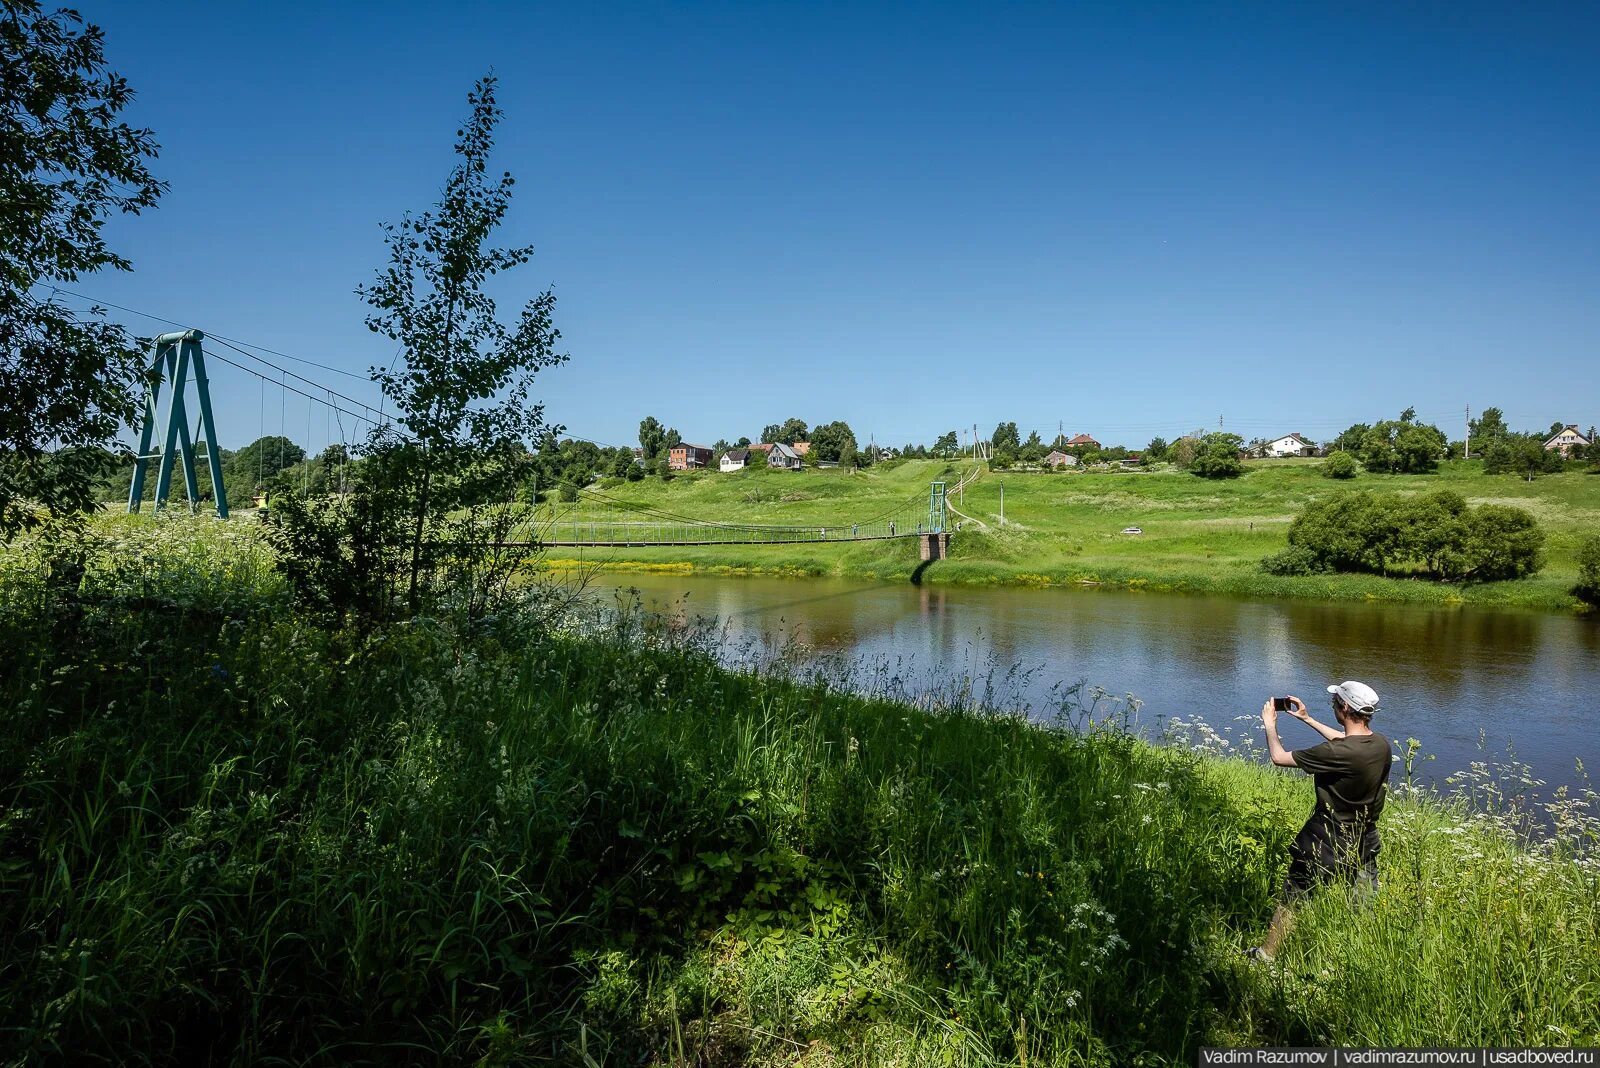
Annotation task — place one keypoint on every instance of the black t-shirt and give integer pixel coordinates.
(1351, 776)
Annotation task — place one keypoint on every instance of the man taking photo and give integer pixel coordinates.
(1339, 842)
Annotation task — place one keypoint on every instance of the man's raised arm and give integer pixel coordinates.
(1298, 711)
(1269, 718)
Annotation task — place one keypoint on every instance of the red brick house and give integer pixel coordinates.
(686, 457)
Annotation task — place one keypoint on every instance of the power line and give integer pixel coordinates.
(219, 337)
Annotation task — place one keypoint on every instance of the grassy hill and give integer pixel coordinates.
(230, 836)
(1063, 529)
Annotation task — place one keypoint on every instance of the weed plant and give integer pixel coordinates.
(230, 836)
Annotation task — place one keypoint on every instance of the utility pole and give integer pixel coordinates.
(1466, 448)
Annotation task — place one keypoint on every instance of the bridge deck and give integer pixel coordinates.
(559, 543)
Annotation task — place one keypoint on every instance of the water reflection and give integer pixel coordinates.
(1520, 679)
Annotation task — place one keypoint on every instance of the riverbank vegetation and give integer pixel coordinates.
(1199, 535)
(229, 834)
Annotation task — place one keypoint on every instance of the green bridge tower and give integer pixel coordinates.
(172, 356)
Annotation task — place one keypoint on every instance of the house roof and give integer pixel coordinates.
(738, 456)
(1286, 437)
(1082, 439)
(785, 451)
(1582, 438)
(687, 445)
(765, 446)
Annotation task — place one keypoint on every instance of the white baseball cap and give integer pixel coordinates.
(1357, 695)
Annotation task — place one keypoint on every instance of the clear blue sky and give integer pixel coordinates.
(1125, 219)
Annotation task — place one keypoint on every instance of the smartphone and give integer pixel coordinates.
(1281, 704)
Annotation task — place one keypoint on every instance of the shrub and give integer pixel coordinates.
(1295, 560)
(1218, 457)
(1437, 534)
(1340, 464)
(1589, 570)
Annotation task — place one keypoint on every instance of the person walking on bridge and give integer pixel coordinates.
(1339, 842)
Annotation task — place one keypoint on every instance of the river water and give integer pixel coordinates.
(1470, 685)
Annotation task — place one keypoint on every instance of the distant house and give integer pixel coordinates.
(1133, 459)
(1083, 441)
(1290, 445)
(686, 457)
(801, 447)
(735, 459)
(763, 448)
(638, 456)
(1058, 459)
(1567, 440)
(783, 457)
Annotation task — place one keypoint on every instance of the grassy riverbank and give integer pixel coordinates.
(227, 834)
(1063, 530)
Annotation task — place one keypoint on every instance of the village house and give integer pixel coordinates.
(735, 459)
(1290, 445)
(801, 447)
(1567, 440)
(1058, 459)
(686, 457)
(1083, 441)
(783, 457)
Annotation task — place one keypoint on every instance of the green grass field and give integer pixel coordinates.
(1199, 535)
(230, 836)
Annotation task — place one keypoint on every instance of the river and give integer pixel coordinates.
(1470, 685)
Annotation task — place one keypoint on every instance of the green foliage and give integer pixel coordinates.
(500, 846)
(1588, 587)
(652, 437)
(1295, 560)
(787, 432)
(831, 441)
(1341, 465)
(1217, 456)
(68, 163)
(1156, 451)
(462, 393)
(947, 446)
(1436, 534)
(1006, 438)
(1520, 454)
(1402, 446)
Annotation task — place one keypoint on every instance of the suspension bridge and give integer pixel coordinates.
(597, 519)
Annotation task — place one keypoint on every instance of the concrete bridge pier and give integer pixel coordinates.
(934, 546)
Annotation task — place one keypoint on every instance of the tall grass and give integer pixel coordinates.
(228, 836)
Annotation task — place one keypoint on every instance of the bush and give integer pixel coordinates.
(1438, 535)
(1218, 457)
(1340, 464)
(1589, 570)
(1295, 560)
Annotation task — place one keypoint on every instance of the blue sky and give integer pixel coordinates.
(1121, 219)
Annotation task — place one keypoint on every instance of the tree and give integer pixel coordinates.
(1489, 427)
(787, 432)
(1589, 570)
(1156, 450)
(68, 163)
(431, 513)
(947, 446)
(1033, 449)
(1218, 456)
(1350, 439)
(1437, 534)
(1408, 415)
(1520, 454)
(652, 435)
(1402, 446)
(829, 441)
(1006, 438)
